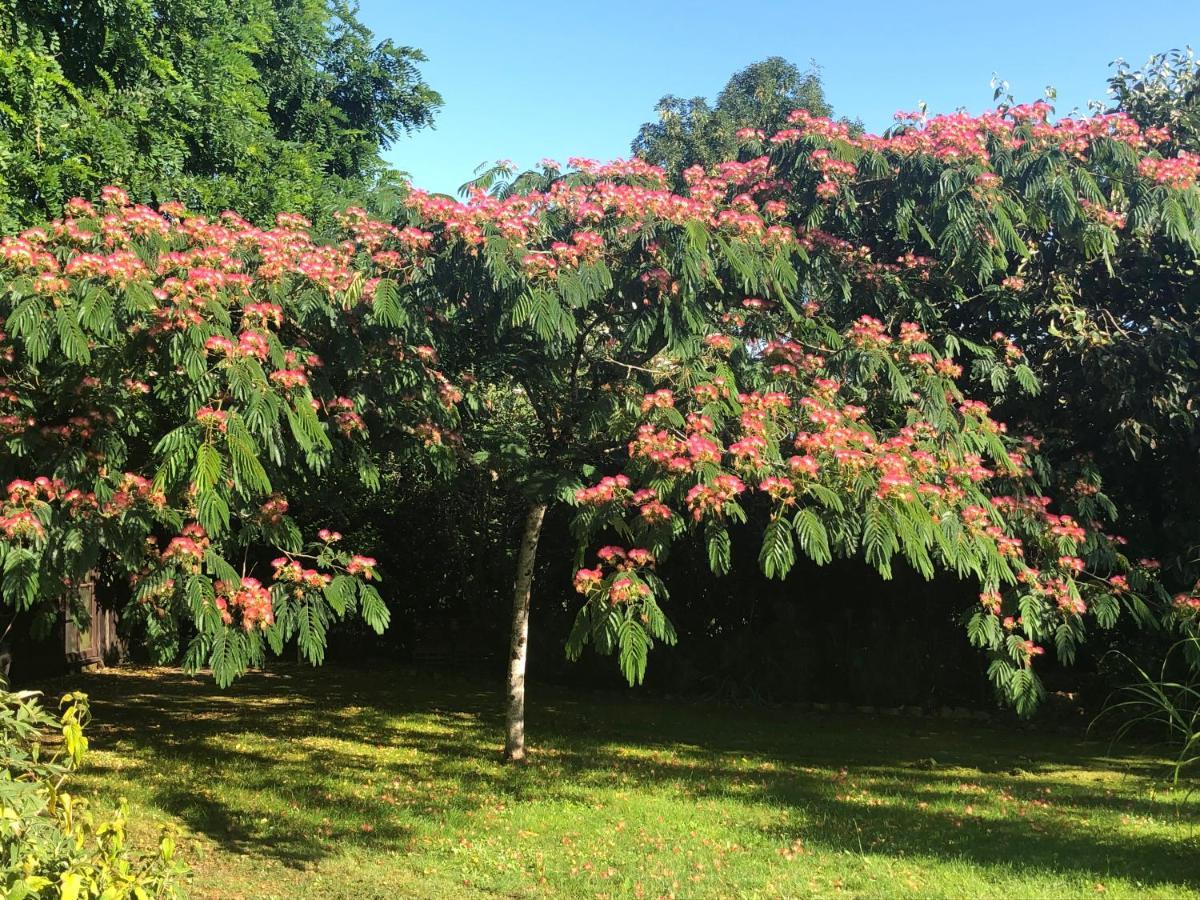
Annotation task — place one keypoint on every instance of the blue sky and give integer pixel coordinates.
(523, 81)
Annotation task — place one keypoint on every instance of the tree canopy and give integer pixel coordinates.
(255, 105)
(170, 382)
(920, 348)
(694, 131)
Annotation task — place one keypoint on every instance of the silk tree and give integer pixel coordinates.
(169, 385)
(596, 299)
(668, 362)
(558, 304)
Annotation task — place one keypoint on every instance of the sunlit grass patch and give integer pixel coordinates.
(339, 784)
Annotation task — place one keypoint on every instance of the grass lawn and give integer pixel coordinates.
(355, 784)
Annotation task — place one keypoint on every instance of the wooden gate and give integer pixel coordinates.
(98, 642)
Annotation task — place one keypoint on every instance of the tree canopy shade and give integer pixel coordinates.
(254, 105)
(672, 362)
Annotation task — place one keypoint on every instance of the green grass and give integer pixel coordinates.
(382, 784)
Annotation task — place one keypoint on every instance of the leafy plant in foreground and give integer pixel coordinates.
(51, 843)
(1166, 702)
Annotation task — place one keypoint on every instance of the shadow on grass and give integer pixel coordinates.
(292, 765)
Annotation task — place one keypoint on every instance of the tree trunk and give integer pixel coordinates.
(514, 742)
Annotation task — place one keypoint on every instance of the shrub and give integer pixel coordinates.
(51, 843)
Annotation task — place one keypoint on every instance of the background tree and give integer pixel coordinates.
(1164, 93)
(695, 132)
(1146, 347)
(254, 105)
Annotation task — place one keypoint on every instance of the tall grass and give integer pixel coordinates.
(1161, 704)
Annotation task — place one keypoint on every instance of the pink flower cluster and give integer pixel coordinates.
(1110, 218)
(290, 379)
(249, 344)
(249, 598)
(220, 261)
(274, 509)
(963, 137)
(1180, 172)
(1188, 604)
(839, 448)
(362, 565)
(21, 524)
(345, 418)
(212, 418)
(661, 399)
(27, 501)
(289, 571)
(710, 499)
(188, 549)
(623, 583)
(609, 489)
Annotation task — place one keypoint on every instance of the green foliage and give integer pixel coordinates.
(962, 225)
(254, 105)
(1163, 704)
(1087, 268)
(51, 843)
(627, 631)
(693, 132)
(1165, 92)
(157, 441)
(777, 555)
(569, 311)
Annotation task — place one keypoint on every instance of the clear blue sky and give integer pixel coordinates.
(523, 81)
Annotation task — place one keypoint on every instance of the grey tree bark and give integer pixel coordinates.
(514, 741)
